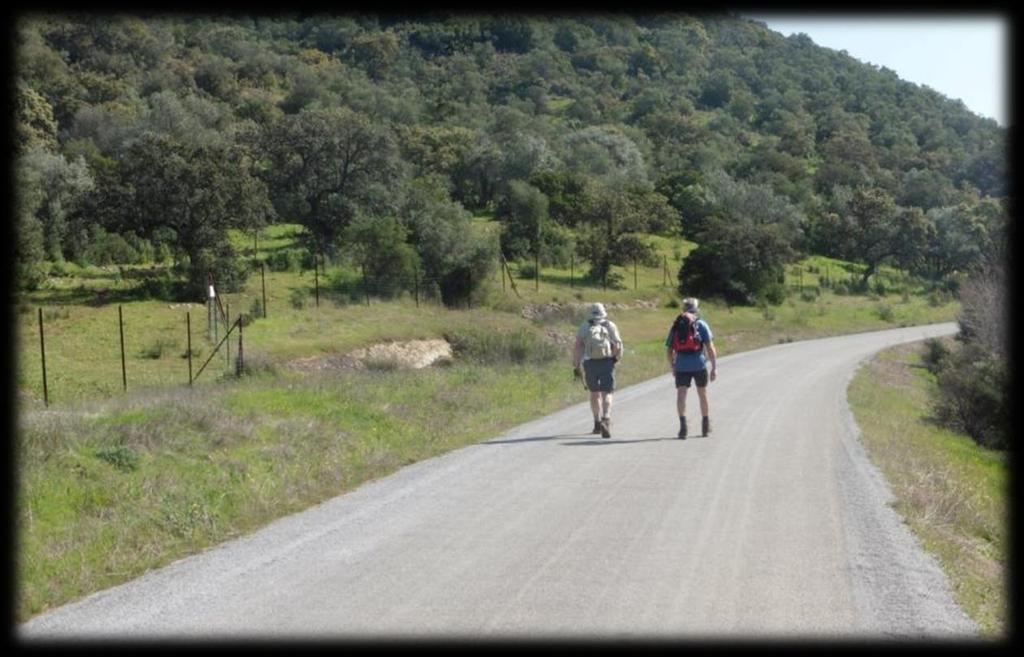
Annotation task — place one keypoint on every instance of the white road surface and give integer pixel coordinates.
(775, 526)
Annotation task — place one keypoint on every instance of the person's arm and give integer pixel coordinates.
(712, 355)
(577, 354)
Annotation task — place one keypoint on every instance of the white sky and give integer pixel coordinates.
(964, 57)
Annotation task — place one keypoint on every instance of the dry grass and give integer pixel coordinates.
(952, 493)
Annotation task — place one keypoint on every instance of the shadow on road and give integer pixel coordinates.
(617, 441)
(582, 439)
(531, 439)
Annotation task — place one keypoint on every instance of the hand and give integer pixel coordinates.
(576, 374)
(714, 373)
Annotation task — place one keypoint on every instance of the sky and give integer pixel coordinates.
(963, 57)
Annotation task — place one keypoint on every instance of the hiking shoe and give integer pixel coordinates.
(597, 427)
(682, 430)
(705, 426)
(606, 428)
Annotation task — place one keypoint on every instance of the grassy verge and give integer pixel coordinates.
(952, 493)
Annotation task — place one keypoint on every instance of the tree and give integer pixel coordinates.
(740, 261)
(320, 166)
(870, 228)
(29, 246)
(199, 192)
(454, 255)
(34, 128)
(523, 211)
(60, 187)
(379, 247)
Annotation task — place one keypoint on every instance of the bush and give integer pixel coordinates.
(158, 348)
(972, 397)
(121, 457)
(885, 312)
(526, 270)
(286, 260)
(490, 347)
(935, 354)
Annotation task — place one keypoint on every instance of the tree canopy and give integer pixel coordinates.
(585, 128)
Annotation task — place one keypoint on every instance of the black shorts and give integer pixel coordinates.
(599, 374)
(700, 376)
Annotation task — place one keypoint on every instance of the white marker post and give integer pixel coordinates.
(211, 321)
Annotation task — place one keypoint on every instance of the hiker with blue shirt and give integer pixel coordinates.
(690, 347)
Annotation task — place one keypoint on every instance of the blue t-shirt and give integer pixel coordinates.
(692, 362)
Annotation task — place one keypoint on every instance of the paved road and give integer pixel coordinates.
(775, 526)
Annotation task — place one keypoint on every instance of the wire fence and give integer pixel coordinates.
(221, 340)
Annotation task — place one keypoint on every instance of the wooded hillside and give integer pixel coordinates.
(146, 137)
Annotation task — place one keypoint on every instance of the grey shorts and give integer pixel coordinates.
(700, 376)
(599, 374)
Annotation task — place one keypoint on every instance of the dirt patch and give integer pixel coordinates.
(414, 354)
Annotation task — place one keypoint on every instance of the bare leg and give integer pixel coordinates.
(681, 400)
(702, 393)
(595, 404)
(607, 399)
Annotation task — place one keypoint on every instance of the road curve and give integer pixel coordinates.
(775, 526)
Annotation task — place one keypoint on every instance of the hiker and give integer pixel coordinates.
(690, 347)
(598, 348)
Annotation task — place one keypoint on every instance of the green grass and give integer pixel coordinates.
(952, 493)
(112, 484)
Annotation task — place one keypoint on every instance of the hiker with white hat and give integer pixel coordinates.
(598, 348)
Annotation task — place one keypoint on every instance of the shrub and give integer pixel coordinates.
(286, 260)
(885, 312)
(934, 355)
(121, 457)
(158, 348)
(527, 270)
(810, 294)
(972, 397)
(490, 347)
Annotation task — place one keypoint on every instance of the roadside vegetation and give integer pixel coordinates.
(113, 483)
(953, 492)
(352, 180)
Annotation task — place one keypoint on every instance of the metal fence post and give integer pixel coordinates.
(188, 329)
(124, 370)
(238, 363)
(42, 351)
(316, 279)
(263, 279)
(416, 284)
(572, 271)
(366, 286)
(227, 325)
